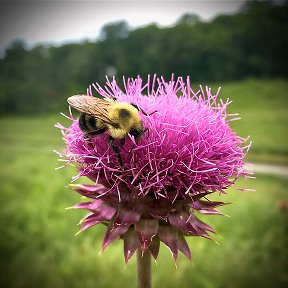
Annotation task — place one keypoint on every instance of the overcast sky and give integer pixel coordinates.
(57, 21)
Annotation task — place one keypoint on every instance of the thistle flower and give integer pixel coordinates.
(188, 152)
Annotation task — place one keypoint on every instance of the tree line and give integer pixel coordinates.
(251, 43)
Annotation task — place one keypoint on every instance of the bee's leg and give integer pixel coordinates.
(116, 149)
(94, 133)
(122, 141)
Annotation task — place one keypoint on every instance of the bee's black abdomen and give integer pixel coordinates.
(87, 123)
(91, 123)
(82, 122)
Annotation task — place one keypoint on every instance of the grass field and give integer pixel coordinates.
(263, 106)
(38, 247)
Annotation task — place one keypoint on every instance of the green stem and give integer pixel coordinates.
(143, 269)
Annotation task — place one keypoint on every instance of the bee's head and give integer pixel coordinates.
(137, 132)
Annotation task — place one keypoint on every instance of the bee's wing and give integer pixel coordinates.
(92, 106)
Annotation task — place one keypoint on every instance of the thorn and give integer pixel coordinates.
(220, 236)
(71, 185)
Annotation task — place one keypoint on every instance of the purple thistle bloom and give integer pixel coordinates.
(188, 152)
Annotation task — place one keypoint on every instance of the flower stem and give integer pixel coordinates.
(143, 269)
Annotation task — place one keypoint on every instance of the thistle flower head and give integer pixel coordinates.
(187, 152)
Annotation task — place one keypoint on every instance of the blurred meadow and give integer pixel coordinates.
(37, 244)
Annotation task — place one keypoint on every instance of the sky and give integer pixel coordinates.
(56, 22)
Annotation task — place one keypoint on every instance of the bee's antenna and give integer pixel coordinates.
(149, 113)
(142, 111)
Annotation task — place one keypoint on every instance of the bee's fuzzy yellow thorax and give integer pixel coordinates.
(126, 116)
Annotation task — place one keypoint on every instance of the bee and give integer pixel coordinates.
(99, 115)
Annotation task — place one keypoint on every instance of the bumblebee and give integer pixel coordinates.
(99, 115)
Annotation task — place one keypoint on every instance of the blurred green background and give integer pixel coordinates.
(244, 53)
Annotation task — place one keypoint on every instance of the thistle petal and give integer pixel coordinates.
(199, 226)
(199, 196)
(93, 205)
(87, 187)
(131, 243)
(104, 212)
(89, 221)
(146, 230)
(183, 246)
(204, 226)
(90, 191)
(112, 234)
(210, 212)
(180, 221)
(160, 210)
(125, 217)
(168, 235)
(154, 246)
(200, 204)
